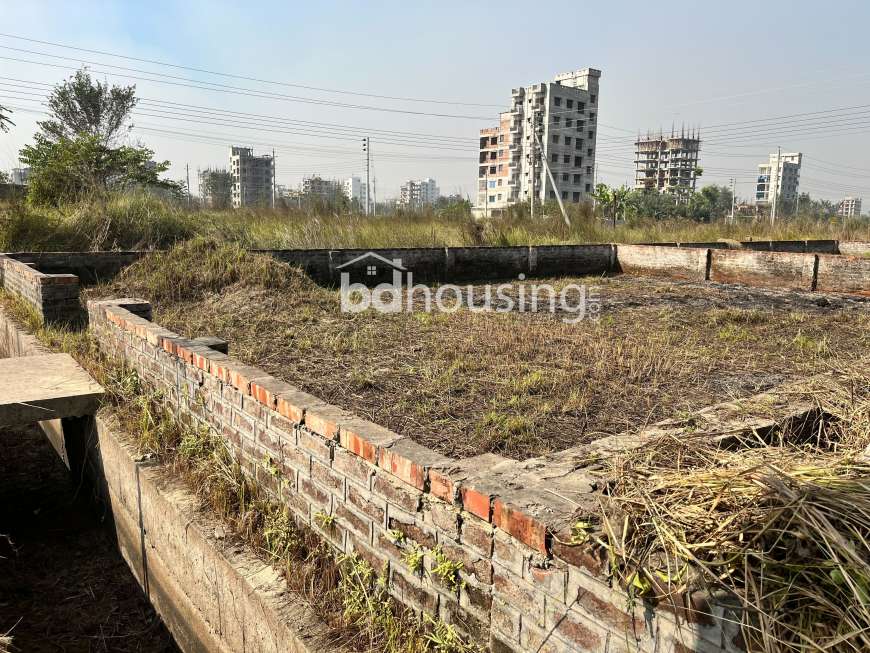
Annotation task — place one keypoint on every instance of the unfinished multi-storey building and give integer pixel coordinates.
(667, 163)
(215, 188)
(553, 123)
(849, 207)
(253, 178)
(316, 188)
(778, 179)
(417, 193)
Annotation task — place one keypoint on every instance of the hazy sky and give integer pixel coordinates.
(699, 63)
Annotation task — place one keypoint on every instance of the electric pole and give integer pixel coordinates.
(555, 190)
(775, 188)
(187, 171)
(274, 175)
(733, 187)
(366, 149)
(486, 194)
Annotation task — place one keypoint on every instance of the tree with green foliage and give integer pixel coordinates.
(4, 119)
(82, 106)
(77, 153)
(611, 200)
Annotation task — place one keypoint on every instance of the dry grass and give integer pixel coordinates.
(518, 384)
(779, 531)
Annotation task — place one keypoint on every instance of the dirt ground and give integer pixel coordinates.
(523, 384)
(63, 584)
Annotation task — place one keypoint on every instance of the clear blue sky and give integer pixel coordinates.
(699, 63)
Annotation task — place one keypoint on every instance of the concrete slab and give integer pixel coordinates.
(36, 388)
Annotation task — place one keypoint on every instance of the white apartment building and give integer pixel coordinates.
(556, 122)
(419, 192)
(253, 178)
(850, 207)
(778, 179)
(355, 190)
(20, 176)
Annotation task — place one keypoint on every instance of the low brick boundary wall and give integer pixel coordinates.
(369, 491)
(54, 296)
(188, 574)
(843, 274)
(854, 248)
(768, 269)
(675, 262)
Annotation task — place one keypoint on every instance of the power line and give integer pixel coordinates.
(235, 76)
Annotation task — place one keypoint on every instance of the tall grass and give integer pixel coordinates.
(143, 221)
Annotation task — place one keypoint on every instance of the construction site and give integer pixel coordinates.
(497, 480)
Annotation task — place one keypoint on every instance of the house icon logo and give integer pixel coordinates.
(373, 281)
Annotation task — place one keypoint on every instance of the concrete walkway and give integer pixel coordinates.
(37, 388)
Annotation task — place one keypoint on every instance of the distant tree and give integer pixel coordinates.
(4, 119)
(77, 152)
(4, 177)
(217, 185)
(82, 106)
(70, 170)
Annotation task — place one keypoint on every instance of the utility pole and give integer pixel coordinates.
(733, 196)
(486, 192)
(187, 170)
(274, 175)
(366, 149)
(534, 175)
(775, 190)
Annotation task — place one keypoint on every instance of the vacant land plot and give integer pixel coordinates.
(520, 384)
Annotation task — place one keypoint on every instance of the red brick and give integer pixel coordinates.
(412, 531)
(588, 555)
(409, 462)
(397, 493)
(366, 503)
(364, 438)
(352, 467)
(292, 404)
(477, 502)
(516, 593)
(325, 419)
(357, 524)
(523, 526)
(316, 445)
(266, 390)
(411, 592)
(476, 533)
(579, 631)
(312, 491)
(326, 477)
(378, 562)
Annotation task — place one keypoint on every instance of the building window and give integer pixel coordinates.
(578, 144)
(557, 101)
(588, 188)
(492, 170)
(555, 158)
(591, 134)
(552, 195)
(569, 104)
(556, 120)
(555, 138)
(492, 198)
(371, 270)
(592, 98)
(500, 167)
(569, 122)
(492, 183)
(501, 138)
(493, 141)
(564, 176)
(578, 162)
(499, 182)
(564, 194)
(499, 197)
(589, 151)
(581, 107)
(576, 197)
(566, 158)
(567, 140)
(592, 116)
(576, 179)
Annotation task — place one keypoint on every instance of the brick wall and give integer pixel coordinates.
(523, 586)
(54, 296)
(677, 262)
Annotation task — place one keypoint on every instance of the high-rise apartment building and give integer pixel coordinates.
(778, 179)
(416, 193)
(215, 188)
(554, 122)
(667, 163)
(355, 191)
(850, 207)
(253, 178)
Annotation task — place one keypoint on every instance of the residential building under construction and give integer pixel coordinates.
(253, 178)
(668, 163)
(544, 146)
(215, 188)
(849, 207)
